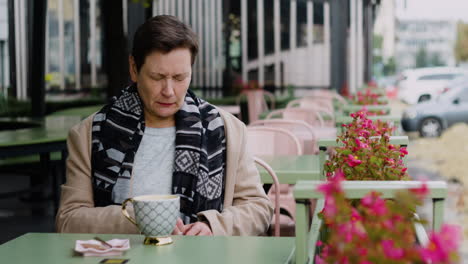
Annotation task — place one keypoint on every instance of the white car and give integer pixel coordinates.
(424, 84)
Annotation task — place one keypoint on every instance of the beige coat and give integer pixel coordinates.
(247, 210)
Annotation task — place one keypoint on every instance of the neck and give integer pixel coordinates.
(156, 122)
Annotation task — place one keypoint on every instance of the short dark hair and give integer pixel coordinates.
(162, 33)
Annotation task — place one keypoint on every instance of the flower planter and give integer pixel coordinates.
(307, 234)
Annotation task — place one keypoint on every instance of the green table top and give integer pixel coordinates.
(331, 142)
(357, 189)
(347, 119)
(54, 129)
(58, 248)
(354, 108)
(83, 111)
(290, 169)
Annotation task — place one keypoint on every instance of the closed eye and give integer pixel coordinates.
(180, 77)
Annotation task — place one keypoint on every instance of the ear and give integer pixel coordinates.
(132, 68)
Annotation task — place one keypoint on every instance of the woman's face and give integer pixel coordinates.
(162, 83)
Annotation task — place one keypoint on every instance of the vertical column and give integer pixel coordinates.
(166, 6)
(77, 46)
(360, 44)
(277, 38)
(244, 38)
(92, 46)
(180, 10)
(213, 33)
(326, 41)
(207, 34)
(339, 20)
(293, 24)
(196, 67)
(18, 48)
(261, 42)
(172, 10)
(46, 52)
(219, 41)
(61, 37)
(155, 6)
(125, 16)
(21, 52)
(186, 11)
(201, 61)
(310, 24)
(352, 47)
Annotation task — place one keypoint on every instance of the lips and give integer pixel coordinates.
(165, 104)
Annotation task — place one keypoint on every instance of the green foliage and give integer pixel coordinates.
(461, 45)
(422, 59)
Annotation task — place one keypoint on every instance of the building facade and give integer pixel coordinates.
(4, 55)
(436, 37)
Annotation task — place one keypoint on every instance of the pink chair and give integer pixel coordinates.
(323, 107)
(272, 141)
(256, 102)
(310, 116)
(276, 191)
(316, 103)
(277, 141)
(303, 131)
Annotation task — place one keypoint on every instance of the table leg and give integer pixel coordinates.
(302, 230)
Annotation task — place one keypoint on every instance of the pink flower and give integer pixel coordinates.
(353, 161)
(374, 203)
(422, 191)
(362, 252)
(360, 144)
(442, 244)
(391, 251)
(319, 260)
(403, 152)
(391, 147)
(355, 216)
(364, 133)
(333, 185)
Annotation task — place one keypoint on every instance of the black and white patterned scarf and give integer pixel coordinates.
(200, 151)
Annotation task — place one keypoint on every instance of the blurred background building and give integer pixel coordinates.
(4, 65)
(275, 43)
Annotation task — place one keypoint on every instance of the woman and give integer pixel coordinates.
(159, 138)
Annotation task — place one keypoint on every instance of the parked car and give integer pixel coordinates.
(424, 84)
(432, 117)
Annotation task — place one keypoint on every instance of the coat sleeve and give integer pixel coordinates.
(77, 213)
(251, 211)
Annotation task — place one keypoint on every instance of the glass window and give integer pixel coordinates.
(438, 77)
(285, 17)
(301, 27)
(269, 27)
(252, 40)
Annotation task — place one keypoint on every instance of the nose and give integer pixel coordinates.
(168, 88)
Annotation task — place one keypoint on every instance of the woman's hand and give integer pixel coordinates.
(198, 229)
(179, 228)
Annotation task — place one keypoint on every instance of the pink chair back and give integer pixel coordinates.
(272, 141)
(323, 107)
(256, 102)
(276, 193)
(310, 116)
(303, 131)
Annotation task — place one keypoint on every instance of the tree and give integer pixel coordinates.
(389, 68)
(461, 44)
(436, 60)
(422, 59)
